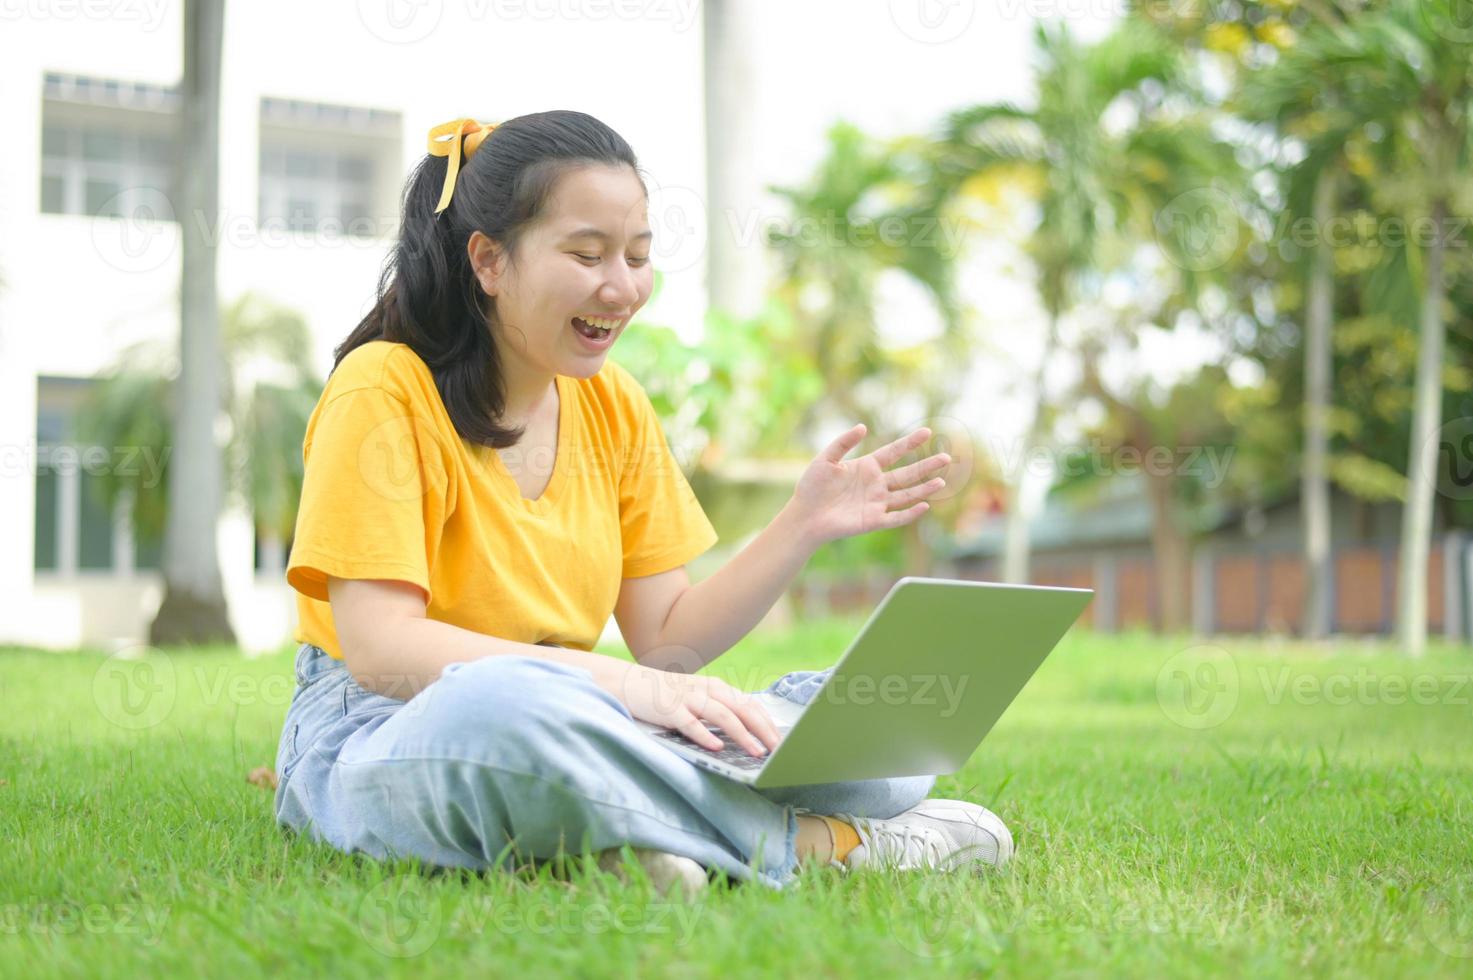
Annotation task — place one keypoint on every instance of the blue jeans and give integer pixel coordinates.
(519, 757)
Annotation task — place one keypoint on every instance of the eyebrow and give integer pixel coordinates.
(596, 233)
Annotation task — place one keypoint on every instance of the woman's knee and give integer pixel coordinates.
(906, 792)
(500, 701)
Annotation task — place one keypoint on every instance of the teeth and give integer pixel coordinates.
(600, 322)
(591, 328)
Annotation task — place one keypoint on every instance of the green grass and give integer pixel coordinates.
(1314, 818)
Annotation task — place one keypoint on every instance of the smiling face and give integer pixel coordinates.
(588, 255)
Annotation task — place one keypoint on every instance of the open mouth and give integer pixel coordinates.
(589, 330)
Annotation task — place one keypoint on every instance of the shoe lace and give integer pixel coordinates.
(891, 843)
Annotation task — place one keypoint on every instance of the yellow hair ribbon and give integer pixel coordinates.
(445, 141)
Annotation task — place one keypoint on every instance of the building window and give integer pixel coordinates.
(302, 188)
(328, 169)
(46, 520)
(107, 150)
(75, 530)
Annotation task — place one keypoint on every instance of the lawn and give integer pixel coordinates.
(1181, 808)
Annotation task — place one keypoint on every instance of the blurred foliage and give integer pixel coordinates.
(744, 389)
(269, 393)
(1251, 101)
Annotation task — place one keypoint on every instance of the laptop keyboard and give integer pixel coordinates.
(730, 753)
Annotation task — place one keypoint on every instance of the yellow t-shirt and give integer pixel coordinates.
(392, 492)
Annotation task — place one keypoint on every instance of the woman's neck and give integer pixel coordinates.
(526, 399)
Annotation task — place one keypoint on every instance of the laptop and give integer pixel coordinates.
(929, 674)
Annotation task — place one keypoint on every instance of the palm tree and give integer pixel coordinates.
(1182, 184)
(1294, 96)
(1405, 69)
(193, 608)
(1062, 145)
(830, 261)
(269, 395)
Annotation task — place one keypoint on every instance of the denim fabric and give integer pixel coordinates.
(507, 758)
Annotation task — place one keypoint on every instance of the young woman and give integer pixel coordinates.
(483, 489)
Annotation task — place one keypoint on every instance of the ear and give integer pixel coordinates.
(488, 262)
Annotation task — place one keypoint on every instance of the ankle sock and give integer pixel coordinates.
(845, 837)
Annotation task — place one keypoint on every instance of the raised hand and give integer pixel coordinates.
(837, 498)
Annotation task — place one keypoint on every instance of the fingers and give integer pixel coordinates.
(840, 447)
(911, 494)
(739, 716)
(906, 475)
(693, 728)
(896, 518)
(755, 718)
(888, 454)
(726, 719)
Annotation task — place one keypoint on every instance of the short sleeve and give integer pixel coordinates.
(662, 523)
(373, 495)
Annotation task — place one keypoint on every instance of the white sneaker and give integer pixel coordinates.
(669, 873)
(938, 835)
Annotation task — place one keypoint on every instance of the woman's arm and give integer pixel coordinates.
(834, 498)
(392, 648)
(707, 619)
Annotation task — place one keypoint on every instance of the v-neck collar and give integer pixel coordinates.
(549, 496)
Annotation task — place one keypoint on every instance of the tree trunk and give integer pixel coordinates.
(1416, 524)
(736, 278)
(193, 608)
(1315, 483)
(1015, 527)
(1169, 551)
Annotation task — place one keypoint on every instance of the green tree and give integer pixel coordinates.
(1064, 147)
(269, 393)
(871, 209)
(1324, 120)
(1405, 70)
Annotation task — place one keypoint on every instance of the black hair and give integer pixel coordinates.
(428, 296)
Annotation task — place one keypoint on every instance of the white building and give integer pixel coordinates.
(325, 108)
(320, 125)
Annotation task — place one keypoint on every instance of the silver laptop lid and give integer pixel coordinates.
(934, 667)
